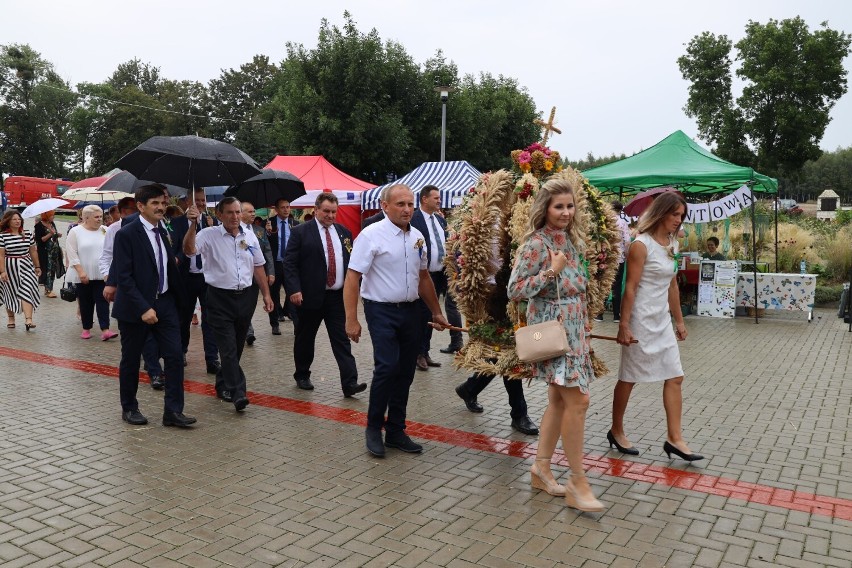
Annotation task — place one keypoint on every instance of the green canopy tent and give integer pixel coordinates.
(678, 161)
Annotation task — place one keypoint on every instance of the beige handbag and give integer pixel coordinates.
(541, 341)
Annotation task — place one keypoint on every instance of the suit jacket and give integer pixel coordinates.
(180, 225)
(305, 268)
(134, 270)
(418, 221)
(372, 219)
(273, 235)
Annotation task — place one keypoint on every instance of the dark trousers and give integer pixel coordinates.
(151, 356)
(286, 308)
(91, 297)
(306, 328)
(230, 315)
(477, 382)
(439, 279)
(166, 333)
(196, 289)
(395, 346)
(616, 291)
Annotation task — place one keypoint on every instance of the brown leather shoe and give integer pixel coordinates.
(430, 362)
(422, 365)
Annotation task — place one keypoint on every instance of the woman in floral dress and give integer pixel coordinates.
(551, 257)
(49, 252)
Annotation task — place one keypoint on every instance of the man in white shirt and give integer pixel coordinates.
(389, 265)
(233, 269)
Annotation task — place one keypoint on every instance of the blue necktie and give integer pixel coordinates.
(438, 239)
(282, 239)
(198, 256)
(161, 281)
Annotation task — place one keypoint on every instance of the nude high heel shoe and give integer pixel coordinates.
(587, 503)
(539, 482)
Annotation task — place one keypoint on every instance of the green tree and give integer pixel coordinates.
(35, 106)
(591, 161)
(793, 77)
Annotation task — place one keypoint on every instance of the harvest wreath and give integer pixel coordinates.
(484, 233)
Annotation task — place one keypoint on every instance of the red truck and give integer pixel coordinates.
(24, 190)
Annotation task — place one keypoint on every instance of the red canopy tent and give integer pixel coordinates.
(318, 175)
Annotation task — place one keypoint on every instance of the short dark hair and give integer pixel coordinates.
(325, 196)
(279, 200)
(618, 206)
(150, 191)
(220, 207)
(427, 191)
(713, 240)
(126, 203)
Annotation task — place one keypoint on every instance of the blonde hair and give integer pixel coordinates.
(90, 210)
(543, 197)
(662, 206)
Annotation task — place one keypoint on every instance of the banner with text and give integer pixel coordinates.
(720, 209)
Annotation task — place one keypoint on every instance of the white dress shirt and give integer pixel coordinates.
(338, 254)
(435, 264)
(228, 261)
(390, 260)
(164, 249)
(106, 256)
(84, 248)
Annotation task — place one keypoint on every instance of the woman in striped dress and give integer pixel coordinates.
(19, 269)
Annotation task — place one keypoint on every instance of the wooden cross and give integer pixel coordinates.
(548, 126)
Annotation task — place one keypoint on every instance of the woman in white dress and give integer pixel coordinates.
(650, 300)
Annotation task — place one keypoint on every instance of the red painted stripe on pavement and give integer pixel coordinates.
(605, 465)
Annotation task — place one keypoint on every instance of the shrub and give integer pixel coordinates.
(828, 295)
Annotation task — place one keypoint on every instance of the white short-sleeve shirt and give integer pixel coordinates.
(390, 260)
(228, 261)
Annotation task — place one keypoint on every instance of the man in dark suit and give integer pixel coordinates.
(428, 220)
(147, 300)
(282, 224)
(315, 265)
(191, 274)
(372, 219)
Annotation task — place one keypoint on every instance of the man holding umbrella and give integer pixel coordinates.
(232, 260)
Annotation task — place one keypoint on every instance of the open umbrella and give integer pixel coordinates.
(42, 205)
(643, 199)
(189, 161)
(127, 182)
(91, 195)
(268, 187)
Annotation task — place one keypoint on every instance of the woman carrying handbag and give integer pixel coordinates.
(549, 271)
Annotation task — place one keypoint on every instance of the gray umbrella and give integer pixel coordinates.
(129, 183)
(267, 188)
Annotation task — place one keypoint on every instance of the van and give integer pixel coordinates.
(25, 190)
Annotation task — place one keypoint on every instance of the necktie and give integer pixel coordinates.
(331, 275)
(161, 281)
(198, 257)
(281, 239)
(438, 240)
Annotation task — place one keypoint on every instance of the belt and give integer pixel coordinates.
(395, 304)
(161, 294)
(231, 292)
(196, 274)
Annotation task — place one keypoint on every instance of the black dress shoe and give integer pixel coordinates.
(184, 360)
(213, 367)
(250, 340)
(451, 349)
(422, 365)
(430, 362)
(525, 426)
(305, 384)
(469, 402)
(282, 318)
(134, 417)
(631, 451)
(240, 403)
(354, 389)
(276, 330)
(672, 449)
(374, 443)
(401, 441)
(177, 419)
(225, 395)
(158, 382)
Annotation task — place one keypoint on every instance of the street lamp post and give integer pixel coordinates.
(445, 94)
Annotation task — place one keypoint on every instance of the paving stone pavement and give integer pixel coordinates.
(288, 483)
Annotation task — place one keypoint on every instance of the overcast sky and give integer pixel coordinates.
(608, 66)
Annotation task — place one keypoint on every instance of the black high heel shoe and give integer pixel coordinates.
(613, 443)
(670, 449)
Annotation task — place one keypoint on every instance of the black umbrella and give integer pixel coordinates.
(265, 189)
(129, 183)
(188, 161)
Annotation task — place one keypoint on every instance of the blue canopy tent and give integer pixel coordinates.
(453, 179)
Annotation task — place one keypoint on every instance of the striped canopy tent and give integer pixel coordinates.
(453, 179)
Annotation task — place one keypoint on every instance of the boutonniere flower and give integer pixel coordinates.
(244, 245)
(103, 230)
(419, 246)
(347, 244)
